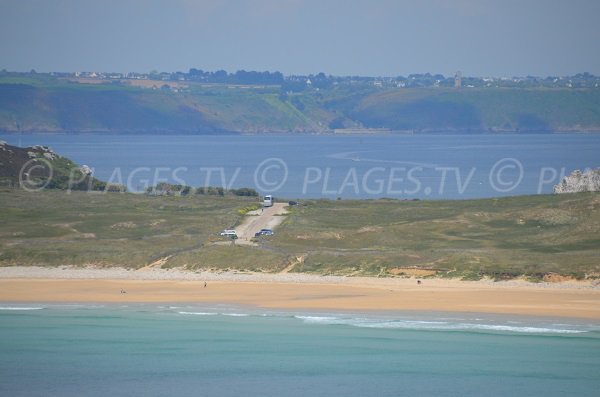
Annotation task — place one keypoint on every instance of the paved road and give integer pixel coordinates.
(268, 218)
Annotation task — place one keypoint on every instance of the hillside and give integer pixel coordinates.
(475, 109)
(59, 105)
(38, 167)
(95, 108)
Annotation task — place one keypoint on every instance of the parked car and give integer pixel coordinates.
(229, 232)
(264, 232)
(292, 203)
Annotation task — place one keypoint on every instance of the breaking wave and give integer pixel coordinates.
(434, 325)
(20, 308)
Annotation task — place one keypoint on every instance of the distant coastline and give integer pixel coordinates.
(31, 102)
(357, 132)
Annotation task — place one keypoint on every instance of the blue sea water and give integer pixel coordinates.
(303, 166)
(143, 350)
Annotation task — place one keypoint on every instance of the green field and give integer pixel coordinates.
(500, 238)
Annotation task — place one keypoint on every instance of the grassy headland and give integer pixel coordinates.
(37, 103)
(535, 236)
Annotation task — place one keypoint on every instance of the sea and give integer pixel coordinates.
(302, 166)
(220, 350)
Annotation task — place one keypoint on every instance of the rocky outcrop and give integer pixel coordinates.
(39, 167)
(587, 181)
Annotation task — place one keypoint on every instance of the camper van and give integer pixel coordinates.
(268, 201)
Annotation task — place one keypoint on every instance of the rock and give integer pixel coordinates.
(587, 181)
(45, 149)
(49, 156)
(32, 155)
(85, 170)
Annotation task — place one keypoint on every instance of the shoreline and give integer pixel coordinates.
(571, 299)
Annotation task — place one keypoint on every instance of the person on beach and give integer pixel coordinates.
(419, 282)
(205, 284)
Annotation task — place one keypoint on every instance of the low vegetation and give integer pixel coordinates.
(249, 208)
(108, 229)
(500, 238)
(169, 189)
(534, 236)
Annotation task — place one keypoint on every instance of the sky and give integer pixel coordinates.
(352, 37)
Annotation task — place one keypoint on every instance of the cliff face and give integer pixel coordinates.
(587, 181)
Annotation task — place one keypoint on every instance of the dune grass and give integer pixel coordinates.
(500, 238)
(57, 228)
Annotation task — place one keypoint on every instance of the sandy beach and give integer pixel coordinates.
(299, 291)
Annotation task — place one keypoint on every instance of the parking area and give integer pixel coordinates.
(263, 218)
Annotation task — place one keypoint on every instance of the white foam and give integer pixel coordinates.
(318, 319)
(19, 308)
(216, 314)
(536, 330)
(447, 325)
(432, 325)
(199, 313)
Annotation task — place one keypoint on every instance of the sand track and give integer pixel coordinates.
(264, 218)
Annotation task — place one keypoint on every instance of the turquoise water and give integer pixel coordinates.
(54, 350)
(298, 166)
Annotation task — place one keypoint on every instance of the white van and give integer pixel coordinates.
(268, 201)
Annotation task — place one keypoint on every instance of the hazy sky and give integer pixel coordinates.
(352, 37)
